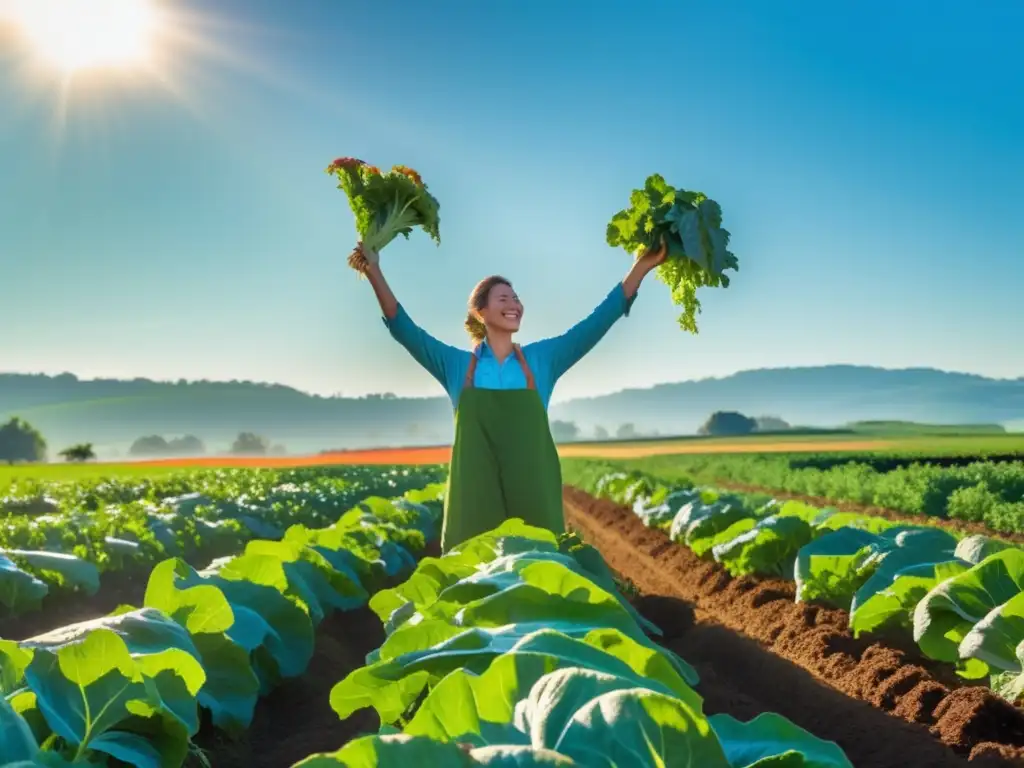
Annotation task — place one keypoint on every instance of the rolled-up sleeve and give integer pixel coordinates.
(439, 359)
(561, 353)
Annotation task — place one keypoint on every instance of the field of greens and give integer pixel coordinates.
(131, 688)
(517, 650)
(973, 489)
(961, 598)
(72, 538)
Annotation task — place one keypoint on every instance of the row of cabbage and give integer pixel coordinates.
(130, 688)
(63, 536)
(516, 649)
(961, 597)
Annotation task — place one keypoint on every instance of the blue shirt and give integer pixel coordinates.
(548, 359)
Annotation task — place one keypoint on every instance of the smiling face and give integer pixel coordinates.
(503, 311)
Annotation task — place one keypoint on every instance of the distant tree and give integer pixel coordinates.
(278, 450)
(80, 452)
(20, 441)
(626, 432)
(600, 433)
(772, 424)
(250, 444)
(151, 445)
(564, 431)
(728, 424)
(187, 445)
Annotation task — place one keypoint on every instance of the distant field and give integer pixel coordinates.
(981, 443)
(61, 472)
(978, 444)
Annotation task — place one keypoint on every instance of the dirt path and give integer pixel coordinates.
(759, 650)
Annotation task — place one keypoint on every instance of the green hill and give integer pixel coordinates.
(112, 413)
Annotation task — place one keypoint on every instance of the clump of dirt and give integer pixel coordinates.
(872, 674)
(970, 716)
(989, 755)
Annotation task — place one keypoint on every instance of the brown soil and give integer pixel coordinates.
(961, 526)
(296, 719)
(758, 650)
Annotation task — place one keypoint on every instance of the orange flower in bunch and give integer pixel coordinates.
(347, 163)
(408, 172)
(373, 170)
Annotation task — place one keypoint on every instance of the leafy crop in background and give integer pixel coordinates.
(690, 224)
(962, 598)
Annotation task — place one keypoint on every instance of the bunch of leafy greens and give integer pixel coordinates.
(386, 204)
(690, 225)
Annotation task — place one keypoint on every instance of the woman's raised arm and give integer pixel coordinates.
(367, 262)
(442, 361)
(561, 353)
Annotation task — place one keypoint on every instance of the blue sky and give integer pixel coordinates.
(867, 157)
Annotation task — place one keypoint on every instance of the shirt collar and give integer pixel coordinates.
(481, 349)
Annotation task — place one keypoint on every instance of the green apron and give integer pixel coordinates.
(504, 462)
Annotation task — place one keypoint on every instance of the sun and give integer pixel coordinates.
(83, 34)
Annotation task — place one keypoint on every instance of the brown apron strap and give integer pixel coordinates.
(471, 371)
(530, 383)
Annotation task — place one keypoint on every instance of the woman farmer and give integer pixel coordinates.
(504, 462)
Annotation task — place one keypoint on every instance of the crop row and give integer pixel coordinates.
(981, 491)
(63, 536)
(960, 597)
(130, 687)
(517, 650)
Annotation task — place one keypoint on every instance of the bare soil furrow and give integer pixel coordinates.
(759, 650)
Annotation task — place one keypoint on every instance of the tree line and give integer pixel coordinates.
(718, 424)
(21, 442)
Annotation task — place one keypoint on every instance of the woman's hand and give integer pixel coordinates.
(363, 259)
(654, 256)
(650, 259)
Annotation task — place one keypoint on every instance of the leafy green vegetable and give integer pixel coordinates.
(888, 599)
(769, 547)
(976, 548)
(74, 571)
(832, 567)
(19, 591)
(16, 739)
(124, 685)
(401, 751)
(951, 609)
(771, 740)
(997, 638)
(386, 204)
(597, 721)
(690, 225)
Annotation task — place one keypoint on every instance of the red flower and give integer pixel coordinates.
(347, 163)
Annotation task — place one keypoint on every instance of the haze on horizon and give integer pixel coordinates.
(177, 223)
